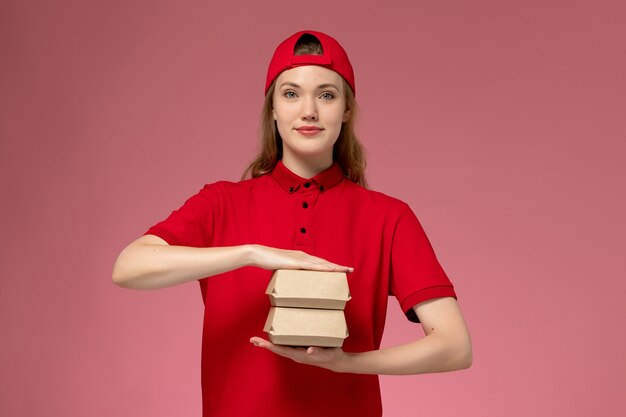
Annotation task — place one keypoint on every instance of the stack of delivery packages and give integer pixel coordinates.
(307, 308)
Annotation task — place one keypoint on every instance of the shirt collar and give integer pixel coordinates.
(291, 182)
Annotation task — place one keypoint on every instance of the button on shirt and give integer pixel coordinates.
(327, 216)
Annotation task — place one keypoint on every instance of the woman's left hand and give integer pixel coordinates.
(328, 358)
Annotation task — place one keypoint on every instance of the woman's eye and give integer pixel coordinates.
(327, 96)
(289, 94)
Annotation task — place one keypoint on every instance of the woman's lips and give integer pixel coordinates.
(309, 130)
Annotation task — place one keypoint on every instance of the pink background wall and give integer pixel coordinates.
(501, 123)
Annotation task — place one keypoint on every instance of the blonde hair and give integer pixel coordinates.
(347, 152)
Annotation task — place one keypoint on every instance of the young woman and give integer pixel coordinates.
(304, 207)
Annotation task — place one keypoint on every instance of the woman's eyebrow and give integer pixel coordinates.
(319, 87)
(322, 86)
(290, 84)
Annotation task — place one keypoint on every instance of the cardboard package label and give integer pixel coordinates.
(306, 327)
(308, 289)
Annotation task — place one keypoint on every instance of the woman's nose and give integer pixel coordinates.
(309, 109)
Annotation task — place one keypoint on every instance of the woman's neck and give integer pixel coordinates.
(307, 167)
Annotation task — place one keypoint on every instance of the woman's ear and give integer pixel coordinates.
(346, 115)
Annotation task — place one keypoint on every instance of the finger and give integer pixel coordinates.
(296, 354)
(341, 268)
(316, 266)
(257, 341)
(317, 354)
(329, 266)
(324, 263)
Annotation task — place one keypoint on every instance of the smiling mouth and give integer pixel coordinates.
(309, 130)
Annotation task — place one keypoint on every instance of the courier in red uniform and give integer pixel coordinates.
(302, 204)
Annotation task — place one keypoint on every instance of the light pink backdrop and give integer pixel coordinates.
(501, 123)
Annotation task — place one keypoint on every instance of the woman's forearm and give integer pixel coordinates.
(447, 345)
(152, 266)
(432, 353)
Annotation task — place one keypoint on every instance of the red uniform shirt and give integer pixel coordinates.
(327, 216)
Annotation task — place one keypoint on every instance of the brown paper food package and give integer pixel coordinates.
(308, 289)
(306, 327)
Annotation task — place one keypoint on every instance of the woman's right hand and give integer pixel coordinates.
(273, 258)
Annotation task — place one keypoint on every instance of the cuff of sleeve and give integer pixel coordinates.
(164, 234)
(423, 295)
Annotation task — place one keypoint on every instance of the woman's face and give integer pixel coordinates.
(309, 107)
